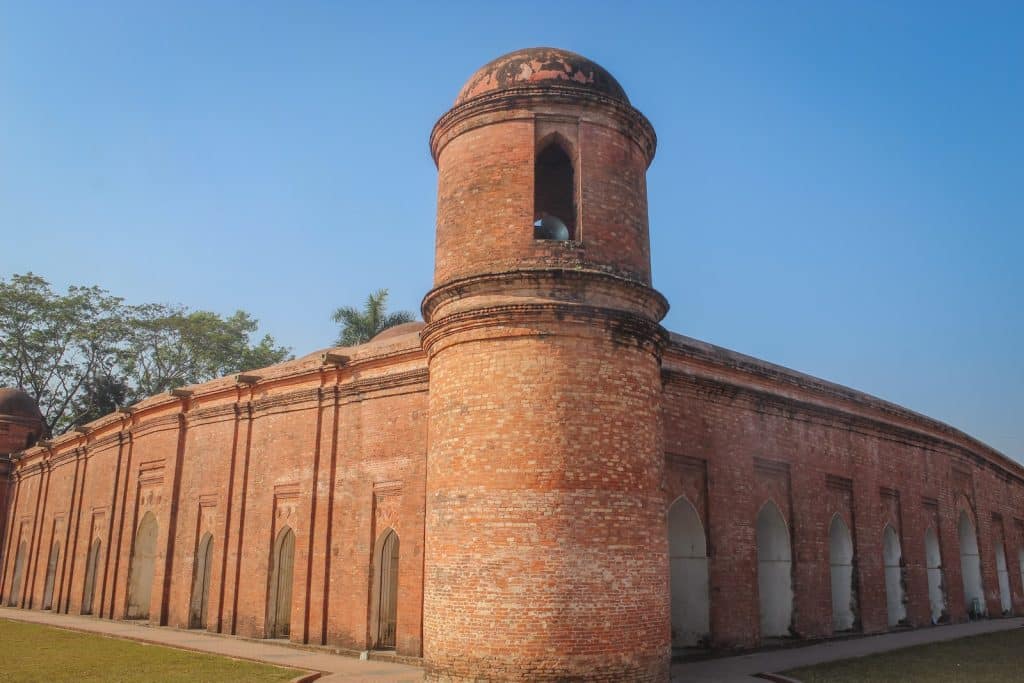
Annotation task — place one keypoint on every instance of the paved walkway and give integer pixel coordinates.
(738, 669)
(333, 667)
(741, 669)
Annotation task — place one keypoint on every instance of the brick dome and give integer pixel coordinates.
(540, 67)
(398, 331)
(16, 403)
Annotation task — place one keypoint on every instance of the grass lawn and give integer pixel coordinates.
(989, 658)
(40, 653)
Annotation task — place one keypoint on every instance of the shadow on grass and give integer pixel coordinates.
(43, 653)
(989, 658)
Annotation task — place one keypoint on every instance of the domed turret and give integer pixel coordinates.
(541, 67)
(542, 161)
(21, 422)
(542, 337)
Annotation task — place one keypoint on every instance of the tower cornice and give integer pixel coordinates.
(525, 101)
(603, 290)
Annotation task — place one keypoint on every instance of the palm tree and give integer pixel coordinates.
(360, 326)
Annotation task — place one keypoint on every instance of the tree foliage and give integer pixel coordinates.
(359, 326)
(85, 353)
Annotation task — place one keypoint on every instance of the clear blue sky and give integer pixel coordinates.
(839, 186)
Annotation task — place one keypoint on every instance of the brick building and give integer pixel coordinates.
(538, 483)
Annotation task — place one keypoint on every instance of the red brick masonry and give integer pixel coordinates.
(525, 446)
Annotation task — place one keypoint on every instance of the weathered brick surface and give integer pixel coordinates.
(525, 446)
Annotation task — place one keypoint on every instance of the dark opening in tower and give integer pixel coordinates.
(554, 195)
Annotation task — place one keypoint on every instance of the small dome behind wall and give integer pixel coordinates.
(21, 421)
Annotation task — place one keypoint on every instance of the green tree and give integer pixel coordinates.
(359, 326)
(85, 353)
(52, 345)
(171, 346)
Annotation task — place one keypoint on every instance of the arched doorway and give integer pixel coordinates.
(140, 577)
(201, 583)
(19, 570)
(774, 572)
(894, 594)
(688, 569)
(51, 575)
(91, 569)
(279, 597)
(933, 562)
(970, 568)
(386, 573)
(840, 557)
(1005, 599)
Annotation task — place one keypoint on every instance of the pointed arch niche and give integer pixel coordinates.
(688, 569)
(1003, 573)
(892, 555)
(14, 599)
(840, 558)
(279, 589)
(936, 580)
(143, 564)
(774, 572)
(200, 601)
(384, 597)
(91, 569)
(51, 575)
(970, 567)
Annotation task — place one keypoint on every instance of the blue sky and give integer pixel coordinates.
(838, 186)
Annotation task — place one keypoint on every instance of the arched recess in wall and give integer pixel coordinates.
(385, 590)
(14, 598)
(140, 576)
(92, 566)
(1003, 572)
(51, 575)
(844, 593)
(895, 594)
(688, 569)
(1020, 565)
(554, 191)
(279, 591)
(936, 580)
(970, 567)
(774, 572)
(201, 583)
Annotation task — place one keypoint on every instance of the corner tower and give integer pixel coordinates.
(546, 548)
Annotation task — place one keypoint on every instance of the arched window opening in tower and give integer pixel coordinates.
(554, 195)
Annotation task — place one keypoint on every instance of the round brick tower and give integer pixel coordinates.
(546, 547)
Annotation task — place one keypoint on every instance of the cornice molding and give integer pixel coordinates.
(724, 392)
(553, 284)
(625, 327)
(521, 101)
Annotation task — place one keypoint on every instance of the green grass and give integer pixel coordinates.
(40, 653)
(989, 658)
